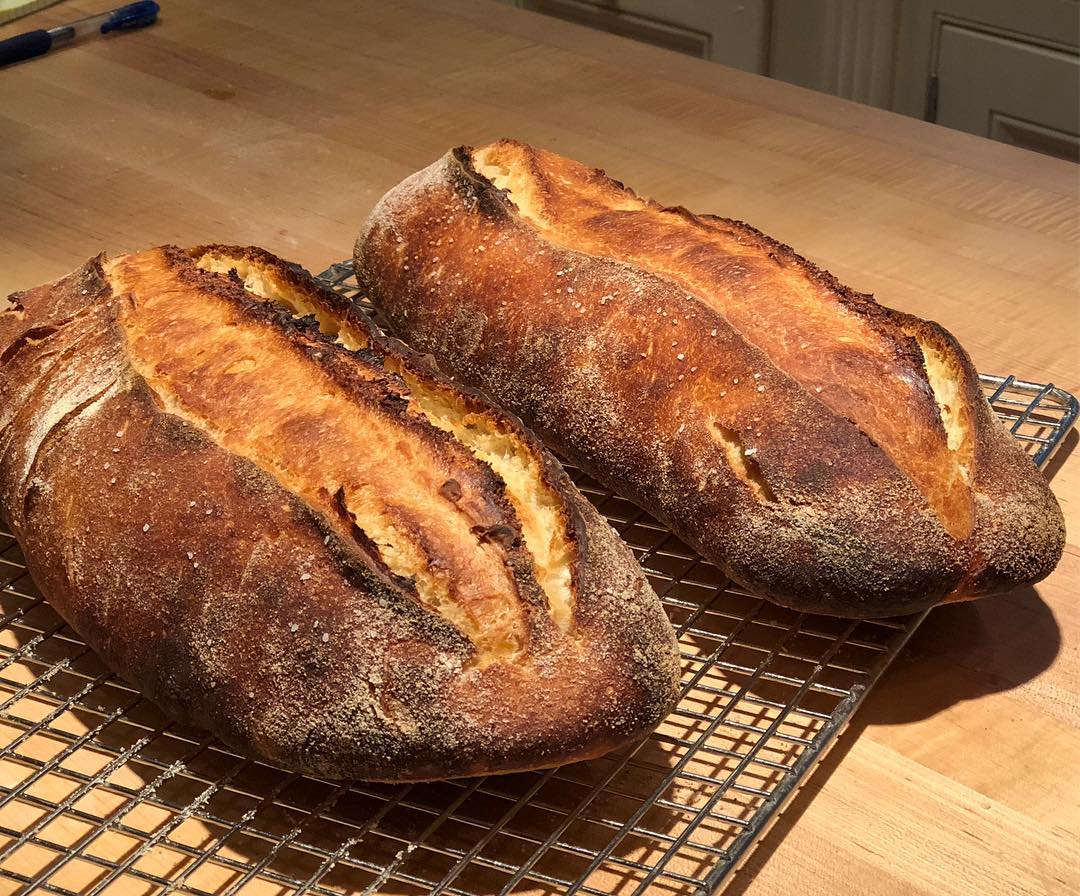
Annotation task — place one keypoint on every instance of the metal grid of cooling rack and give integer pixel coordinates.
(100, 793)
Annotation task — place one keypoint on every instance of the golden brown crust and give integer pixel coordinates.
(826, 451)
(245, 602)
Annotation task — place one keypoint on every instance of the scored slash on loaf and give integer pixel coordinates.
(296, 533)
(827, 452)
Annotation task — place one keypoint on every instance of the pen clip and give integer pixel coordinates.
(134, 15)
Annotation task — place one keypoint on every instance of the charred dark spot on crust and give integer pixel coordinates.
(395, 402)
(463, 156)
(717, 224)
(599, 174)
(451, 490)
(866, 307)
(910, 355)
(370, 357)
(501, 535)
(339, 503)
(472, 186)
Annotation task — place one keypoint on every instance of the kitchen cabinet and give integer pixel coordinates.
(998, 68)
(734, 32)
(1002, 69)
(1007, 89)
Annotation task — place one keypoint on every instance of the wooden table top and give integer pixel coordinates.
(281, 124)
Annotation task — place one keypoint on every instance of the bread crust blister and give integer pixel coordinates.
(280, 525)
(827, 452)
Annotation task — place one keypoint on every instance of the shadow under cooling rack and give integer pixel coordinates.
(99, 792)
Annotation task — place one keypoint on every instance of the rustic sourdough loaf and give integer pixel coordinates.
(295, 533)
(827, 452)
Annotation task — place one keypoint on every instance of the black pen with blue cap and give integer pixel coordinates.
(39, 42)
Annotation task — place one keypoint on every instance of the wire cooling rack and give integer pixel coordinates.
(100, 793)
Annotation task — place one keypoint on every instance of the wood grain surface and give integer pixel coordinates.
(281, 124)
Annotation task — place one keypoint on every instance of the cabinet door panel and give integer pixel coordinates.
(1014, 91)
(734, 32)
(1036, 137)
(1054, 23)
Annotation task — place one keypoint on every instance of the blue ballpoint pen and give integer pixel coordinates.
(37, 43)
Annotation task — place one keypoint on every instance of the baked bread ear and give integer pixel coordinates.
(297, 534)
(827, 452)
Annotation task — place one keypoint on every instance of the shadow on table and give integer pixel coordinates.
(961, 651)
(1062, 454)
